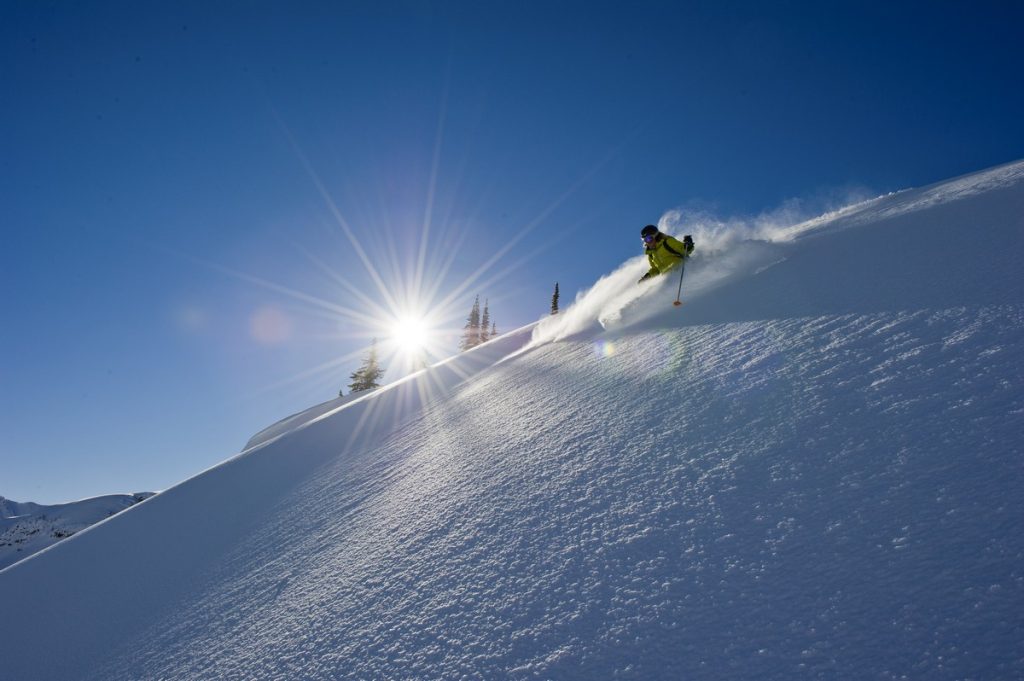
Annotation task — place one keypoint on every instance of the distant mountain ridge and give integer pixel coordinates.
(27, 528)
(11, 509)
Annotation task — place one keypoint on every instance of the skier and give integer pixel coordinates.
(663, 251)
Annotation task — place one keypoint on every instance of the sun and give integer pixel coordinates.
(410, 333)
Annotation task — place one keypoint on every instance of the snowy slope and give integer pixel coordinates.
(27, 528)
(810, 470)
(298, 420)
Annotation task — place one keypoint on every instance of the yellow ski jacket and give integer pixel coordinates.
(665, 253)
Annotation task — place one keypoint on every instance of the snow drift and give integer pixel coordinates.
(810, 470)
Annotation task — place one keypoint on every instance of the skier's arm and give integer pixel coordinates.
(678, 246)
(653, 272)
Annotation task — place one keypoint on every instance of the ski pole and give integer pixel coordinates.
(679, 291)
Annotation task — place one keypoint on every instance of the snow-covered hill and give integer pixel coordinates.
(810, 470)
(297, 420)
(26, 528)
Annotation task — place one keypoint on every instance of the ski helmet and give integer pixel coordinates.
(649, 230)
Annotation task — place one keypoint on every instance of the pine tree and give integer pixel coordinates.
(494, 330)
(485, 324)
(367, 376)
(554, 300)
(471, 331)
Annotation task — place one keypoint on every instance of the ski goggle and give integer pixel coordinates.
(648, 238)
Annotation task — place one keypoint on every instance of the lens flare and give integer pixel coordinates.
(604, 348)
(270, 326)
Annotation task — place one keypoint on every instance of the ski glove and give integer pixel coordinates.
(688, 242)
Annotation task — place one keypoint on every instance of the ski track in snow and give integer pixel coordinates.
(814, 473)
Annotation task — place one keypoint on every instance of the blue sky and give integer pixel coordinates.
(186, 189)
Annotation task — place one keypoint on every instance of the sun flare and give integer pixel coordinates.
(410, 334)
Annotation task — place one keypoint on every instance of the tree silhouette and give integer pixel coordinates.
(471, 331)
(485, 324)
(366, 377)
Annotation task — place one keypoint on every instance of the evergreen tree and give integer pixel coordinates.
(494, 330)
(485, 324)
(367, 376)
(471, 331)
(554, 300)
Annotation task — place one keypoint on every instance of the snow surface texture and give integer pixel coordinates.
(26, 528)
(810, 470)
